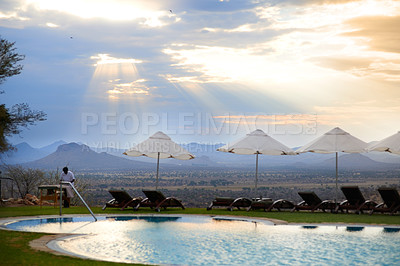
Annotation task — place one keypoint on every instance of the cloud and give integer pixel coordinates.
(200, 78)
(144, 13)
(316, 2)
(382, 33)
(52, 25)
(231, 56)
(342, 64)
(110, 10)
(104, 59)
(123, 90)
(11, 15)
(379, 68)
(214, 6)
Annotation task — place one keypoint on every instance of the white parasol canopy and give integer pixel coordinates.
(159, 146)
(257, 142)
(390, 144)
(335, 141)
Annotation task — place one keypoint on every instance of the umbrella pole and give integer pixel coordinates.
(336, 194)
(158, 167)
(256, 171)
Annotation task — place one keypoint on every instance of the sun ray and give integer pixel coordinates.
(115, 81)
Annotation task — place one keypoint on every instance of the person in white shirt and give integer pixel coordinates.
(69, 177)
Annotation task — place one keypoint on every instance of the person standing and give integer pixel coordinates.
(68, 176)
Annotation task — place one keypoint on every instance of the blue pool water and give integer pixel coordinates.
(201, 240)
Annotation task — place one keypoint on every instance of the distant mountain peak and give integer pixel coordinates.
(81, 157)
(58, 143)
(73, 146)
(23, 144)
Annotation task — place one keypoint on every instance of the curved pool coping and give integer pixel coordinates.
(48, 242)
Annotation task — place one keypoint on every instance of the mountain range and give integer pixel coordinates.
(24, 152)
(79, 156)
(85, 158)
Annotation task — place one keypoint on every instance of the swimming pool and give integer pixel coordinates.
(203, 240)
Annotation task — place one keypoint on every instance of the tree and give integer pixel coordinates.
(19, 115)
(9, 60)
(25, 180)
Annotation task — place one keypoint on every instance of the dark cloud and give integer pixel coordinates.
(383, 32)
(10, 5)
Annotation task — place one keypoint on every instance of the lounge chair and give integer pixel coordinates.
(230, 203)
(391, 201)
(281, 204)
(155, 199)
(312, 202)
(354, 200)
(268, 204)
(261, 203)
(121, 199)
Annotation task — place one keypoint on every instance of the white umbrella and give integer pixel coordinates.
(159, 146)
(390, 144)
(335, 141)
(257, 142)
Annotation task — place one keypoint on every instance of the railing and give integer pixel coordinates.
(77, 193)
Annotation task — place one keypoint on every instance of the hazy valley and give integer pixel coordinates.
(196, 182)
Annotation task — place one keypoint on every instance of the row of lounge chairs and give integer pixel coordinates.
(355, 201)
(259, 203)
(154, 199)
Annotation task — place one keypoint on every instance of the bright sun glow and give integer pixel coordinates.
(117, 78)
(327, 15)
(229, 65)
(104, 59)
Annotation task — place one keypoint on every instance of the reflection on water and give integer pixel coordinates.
(309, 227)
(59, 220)
(151, 219)
(219, 219)
(354, 228)
(391, 230)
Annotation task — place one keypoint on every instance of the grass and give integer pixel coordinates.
(15, 249)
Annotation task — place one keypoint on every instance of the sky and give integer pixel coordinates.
(112, 73)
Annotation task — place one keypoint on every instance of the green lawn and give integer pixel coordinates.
(15, 250)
